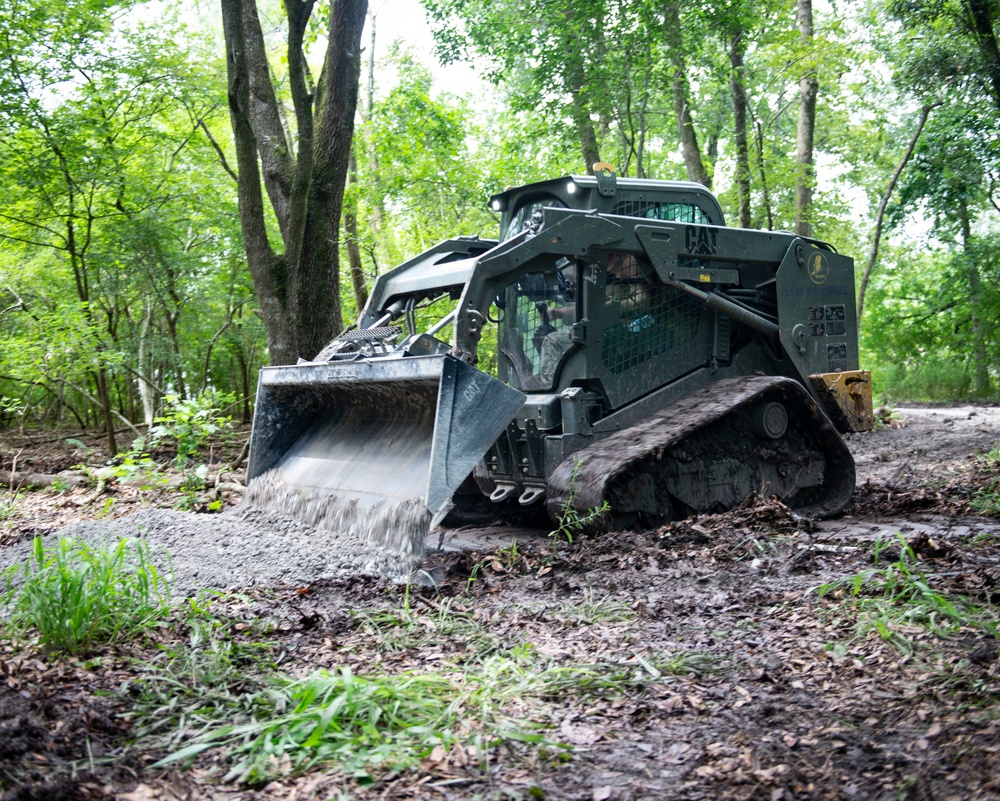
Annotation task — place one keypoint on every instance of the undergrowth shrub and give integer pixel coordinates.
(77, 597)
(262, 724)
(187, 424)
(570, 521)
(986, 499)
(365, 726)
(8, 504)
(934, 379)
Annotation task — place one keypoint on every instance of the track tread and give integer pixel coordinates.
(585, 478)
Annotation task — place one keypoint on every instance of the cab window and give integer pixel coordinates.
(524, 218)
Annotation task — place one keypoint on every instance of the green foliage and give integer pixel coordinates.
(570, 521)
(187, 425)
(77, 597)
(590, 610)
(215, 672)
(60, 484)
(986, 499)
(933, 379)
(135, 466)
(220, 692)
(122, 257)
(367, 726)
(404, 629)
(902, 596)
(118, 225)
(419, 181)
(208, 664)
(919, 337)
(10, 406)
(8, 504)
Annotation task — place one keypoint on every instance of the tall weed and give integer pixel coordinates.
(570, 521)
(987, 498)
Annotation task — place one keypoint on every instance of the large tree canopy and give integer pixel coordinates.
(151, 246)
(112, 211)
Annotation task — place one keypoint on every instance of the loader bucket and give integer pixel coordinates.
(373, 448)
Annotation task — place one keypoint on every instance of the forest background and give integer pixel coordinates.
(130, 283)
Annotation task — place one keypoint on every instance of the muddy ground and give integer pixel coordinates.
(775, 692)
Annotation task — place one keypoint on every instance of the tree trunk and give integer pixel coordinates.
(580, 110)
(375, 195)
(805, 174)
(681, 99)
(768, 211)
(244, 366)
(585, 132)
(104, 401)
(980, 366)
(147, 392)
(736, 81)
(320, 316)
(353, 245)
(298, 289)
(982, 19)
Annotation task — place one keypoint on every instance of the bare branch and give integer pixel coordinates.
(218, 150)
(880, 216)
(97, 403)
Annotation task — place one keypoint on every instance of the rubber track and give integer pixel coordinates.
(586, 478)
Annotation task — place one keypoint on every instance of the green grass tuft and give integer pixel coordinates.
(902, 598)
(76, 597)
(986, 500)
(408, 628)
(591, 609)
(8, 505)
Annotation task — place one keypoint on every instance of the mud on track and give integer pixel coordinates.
(777, 696)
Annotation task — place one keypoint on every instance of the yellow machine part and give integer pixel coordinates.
(848, 397)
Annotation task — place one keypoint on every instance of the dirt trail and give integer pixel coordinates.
(924, 444)
(778, 694)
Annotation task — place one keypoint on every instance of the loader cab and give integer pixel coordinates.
(528, 216)
(604, 313)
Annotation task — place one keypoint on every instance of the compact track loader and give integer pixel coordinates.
(618, 343)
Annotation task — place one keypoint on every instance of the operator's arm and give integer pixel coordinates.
(562, 312)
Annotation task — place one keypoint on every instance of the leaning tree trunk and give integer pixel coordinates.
(354, 245)
(690, 150)
(884, 202)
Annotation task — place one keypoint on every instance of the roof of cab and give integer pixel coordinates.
(559, 187)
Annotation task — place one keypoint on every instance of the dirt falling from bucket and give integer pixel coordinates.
(399, 526)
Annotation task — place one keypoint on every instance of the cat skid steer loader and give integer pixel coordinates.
(618, 343)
